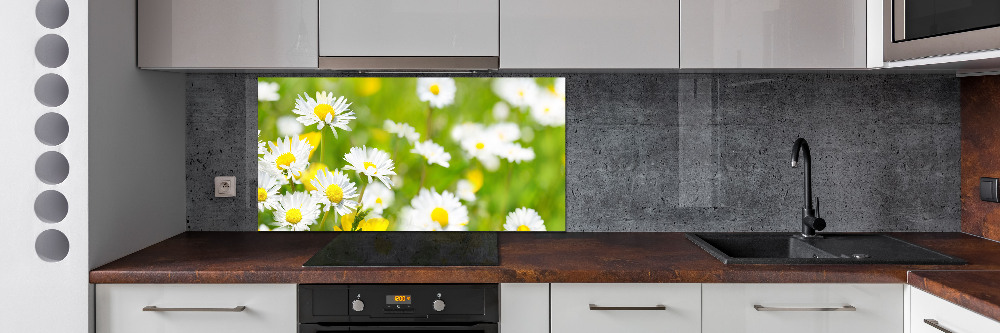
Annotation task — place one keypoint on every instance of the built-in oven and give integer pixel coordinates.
(927, 28)
(465, 308)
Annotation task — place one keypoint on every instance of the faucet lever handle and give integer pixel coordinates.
(817, 206)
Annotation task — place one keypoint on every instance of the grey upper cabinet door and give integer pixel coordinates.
(227, 34)
(774, 34)
(581, 34)
(409, 28)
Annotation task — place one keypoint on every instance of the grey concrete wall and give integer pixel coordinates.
(684, 152)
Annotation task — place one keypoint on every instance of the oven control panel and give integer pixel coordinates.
(398, 303)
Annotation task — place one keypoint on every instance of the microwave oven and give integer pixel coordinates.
(915, 29)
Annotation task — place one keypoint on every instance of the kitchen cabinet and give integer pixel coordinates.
(580, 34)
(802, 308)
(780, 34)
(626, 307)
(405, 34)
(222, 34)
(930, 314)
(196, 308)
(524, 308)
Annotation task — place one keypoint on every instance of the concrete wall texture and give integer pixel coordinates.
(683, 152)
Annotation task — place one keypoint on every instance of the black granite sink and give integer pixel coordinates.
(830, 249)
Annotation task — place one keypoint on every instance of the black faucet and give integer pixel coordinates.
(810, 222)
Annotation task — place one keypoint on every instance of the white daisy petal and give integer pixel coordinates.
(433, 152)
(267, 190)
(267, 91)
(401, 130)
(432, 211)
(334, 190)
(288, 156)
(378, 198)
(371, 162)
(524, 219)
(324, 110)
(549, 110)
(517, 91)
(297, 211)
(439, 91)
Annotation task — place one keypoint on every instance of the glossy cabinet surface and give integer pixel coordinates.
(524, 308)
(269, 308)
(589, 34)
(641, 307)
(774, 34)
(730, 308)
(951, 317)
(227, 34)
(406, 28)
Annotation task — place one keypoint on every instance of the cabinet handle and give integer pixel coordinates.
(233, 309)
(759, 307)
(934, 323)
(629, 308)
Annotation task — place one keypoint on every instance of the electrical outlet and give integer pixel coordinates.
(225, 186)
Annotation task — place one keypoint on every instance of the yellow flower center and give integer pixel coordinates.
(440, 215)
(293, 216)
(435, 89)
(284, 160)
(547, 110)
(334, 193)
(261, 194)
(523, 228)
(371, 165)
(321, 110)
(520, 93)
(378, 201)
(480, 145)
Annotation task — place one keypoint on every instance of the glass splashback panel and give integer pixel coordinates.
(929, 18)
(411, 154)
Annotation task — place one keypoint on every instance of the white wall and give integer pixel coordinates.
(137, 184)
(37, 295)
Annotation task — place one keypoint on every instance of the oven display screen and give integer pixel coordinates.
(397, 299)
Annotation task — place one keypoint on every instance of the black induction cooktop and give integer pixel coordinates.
(408, 249)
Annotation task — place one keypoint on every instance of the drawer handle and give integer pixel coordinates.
(233, 309)
(937, 325)
(628, 308)
(759, 307)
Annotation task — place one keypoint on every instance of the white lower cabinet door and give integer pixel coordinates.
(196, 308)
(626, 307)
(524, 308)
(802, 308)
(930, 314)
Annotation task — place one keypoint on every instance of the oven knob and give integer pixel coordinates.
(358, 305)
(438, 305)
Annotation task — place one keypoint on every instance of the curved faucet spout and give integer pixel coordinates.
(810, 222)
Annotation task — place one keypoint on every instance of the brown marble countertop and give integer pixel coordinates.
(978, 291)
(277, 257)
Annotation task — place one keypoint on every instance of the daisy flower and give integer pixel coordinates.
(267, 91)
(261, 149)
(372, 163)
(501, 111)
(559, 88)
(267, 190)
(524, 219)
(288, 156)
(434, 211)
(334, 190)
(439, 91)
(465, 131)
(324, 110)
(288, 126)
(297, 211)
(263, 227)
(401, 130)
(518, 91)
(378, 198)
(483, 147)
(433, 152)
(465, 190)
(514, 153)
(504, 132)
(549, 110)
